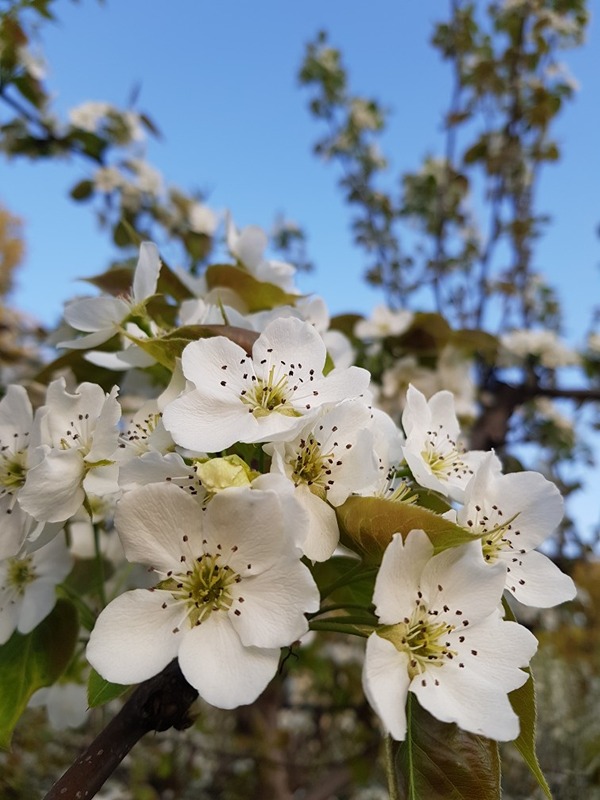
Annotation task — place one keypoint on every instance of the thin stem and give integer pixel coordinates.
(337, 627)
(338, 607)
(99, 567)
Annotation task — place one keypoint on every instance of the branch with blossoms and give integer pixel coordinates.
(214, 464)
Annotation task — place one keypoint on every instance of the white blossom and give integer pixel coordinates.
(66, 704)
(27, 587)
(79, 436)
(513, 514)
(541, 344)
(329, 459)
(100, 318)
(259, 397)
(232, 592)
(433, 450)
(383, 322)
(442, 638)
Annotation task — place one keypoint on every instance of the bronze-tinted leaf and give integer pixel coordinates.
(440, 761)
(166, 349)
(258, 295)
(367, 525)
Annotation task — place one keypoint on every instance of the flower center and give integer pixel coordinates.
(137, 434)
(312, 467)
(269, 394)
(13, 470)
(78, 434)
(422, 639)
(204, 588)
(496, 533)
(444, 457)
(20, 573)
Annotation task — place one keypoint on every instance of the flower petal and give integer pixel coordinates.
(399, 576)
(535, 580)
(272, 614)
(133, 637)
(225, 673)
(385, 683)
(151, 521)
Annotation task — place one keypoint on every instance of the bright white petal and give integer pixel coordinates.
(535, 580)
(272, 614)
(92, 314)
(16, 415)
(291, 341)
(52, 491)
(323, 533)
(399, 575)
(133, 637)
(445, 577)
(225, 673)
(146, 272)
(247, 526)
(38, 602)
(465, 698)
(191, 422)
(151, 521)
(385, 683)
(250, 245)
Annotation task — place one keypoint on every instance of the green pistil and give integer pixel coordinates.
(494, 541)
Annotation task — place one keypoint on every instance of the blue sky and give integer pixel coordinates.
(220, 80)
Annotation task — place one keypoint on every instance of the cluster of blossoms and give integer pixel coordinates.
(228, 483)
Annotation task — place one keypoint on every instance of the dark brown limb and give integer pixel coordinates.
(157, 704)
(500, 402)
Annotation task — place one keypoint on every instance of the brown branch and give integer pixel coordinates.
(501, 401)
(157, 704)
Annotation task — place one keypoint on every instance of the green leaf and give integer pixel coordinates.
(100, 691)
(427, 335)
(475, 342)
(30, 661)
(166, 349)
(344, 580)
(367, 524)
(258, 295)
(524, 706)
(440, 761)
(122, 235)
(82, 190)
(523, 702)
(345, 323)
(171, 284)
(116, 280)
